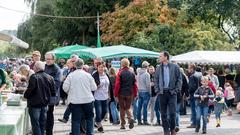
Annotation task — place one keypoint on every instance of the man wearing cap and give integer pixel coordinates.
(144, 90)
(168, 82)
(36, 56)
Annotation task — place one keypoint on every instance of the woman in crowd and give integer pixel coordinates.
(101, 95)
(113, 104)
(2, 79)
(125, 91)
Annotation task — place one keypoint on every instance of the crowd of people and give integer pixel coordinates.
(97, 93)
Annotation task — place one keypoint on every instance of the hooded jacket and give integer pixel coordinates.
(143, 80)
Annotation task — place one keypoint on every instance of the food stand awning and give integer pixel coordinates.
(115, 52)
(67, 51)
(208, 57)
(13, 40)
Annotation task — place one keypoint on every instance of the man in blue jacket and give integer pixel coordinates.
(168, 82)
(53, 70)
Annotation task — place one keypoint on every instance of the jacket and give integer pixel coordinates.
(126, 84)
(194, 83)
(184, 89)
(175, 83)
(55, 72)
(79, 86)
(143, 80)
(40, 88)
(203, 91)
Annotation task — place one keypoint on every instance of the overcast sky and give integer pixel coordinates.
(10, 19)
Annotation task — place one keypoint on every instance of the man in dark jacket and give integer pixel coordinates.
(53, 70)
(194, 83)
(41, 87)
(168, 82)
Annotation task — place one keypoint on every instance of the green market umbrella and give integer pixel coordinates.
(115, 52)
(67, 51)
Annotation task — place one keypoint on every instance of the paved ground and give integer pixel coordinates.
(230, 126)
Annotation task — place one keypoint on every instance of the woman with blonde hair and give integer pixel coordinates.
(125, 90)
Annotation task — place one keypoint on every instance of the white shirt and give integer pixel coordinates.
(79, 86)
(102, 92)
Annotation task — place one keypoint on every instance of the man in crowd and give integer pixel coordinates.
(168, 81)
(53, 70)
(194, 83)
(36, 56)
(125, 90)
(79, 86)
(41, 87)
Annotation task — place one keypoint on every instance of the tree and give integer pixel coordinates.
(224, 14)
(120, 26)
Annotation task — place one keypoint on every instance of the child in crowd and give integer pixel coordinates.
(229, 94)
(219, 103)
(202, 95)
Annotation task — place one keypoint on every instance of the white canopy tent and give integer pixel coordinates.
(13, 40)
(208, 57)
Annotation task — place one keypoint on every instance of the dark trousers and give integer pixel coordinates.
(67, 113)
(78, 112)
(50, 120)
(38, 119)
(168, 102)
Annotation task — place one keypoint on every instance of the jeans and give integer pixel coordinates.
(38, 118)
(193, 111)
(201, 111)
(151, 105)
(67, 113)
(78, 111)
(168, 104)
(101, 107)
(50, 120)
(178, 114)
(114, 112)
(135, 108)
(143, 99)
(157, 108)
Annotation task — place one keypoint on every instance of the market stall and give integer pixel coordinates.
(14, 120)
(208, 57)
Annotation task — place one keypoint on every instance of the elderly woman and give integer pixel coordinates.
(26, 71)
(125, 91)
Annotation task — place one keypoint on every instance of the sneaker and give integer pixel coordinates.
(157, 124)
(146, 123)
(197, 129)
(177, 129)
(140, 123)
(131, 124)
(100, 129)
(204, 131)
(63, 120)
(192, 126)
(122, 127)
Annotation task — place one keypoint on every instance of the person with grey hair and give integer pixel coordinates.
(41, 87)
(53, 70)
(79, 86)
(144, 90)
(26, 71)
